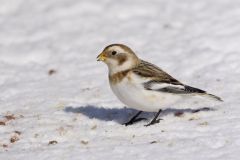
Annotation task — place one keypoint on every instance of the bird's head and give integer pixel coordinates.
(118, 57)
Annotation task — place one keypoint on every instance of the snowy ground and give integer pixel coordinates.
(55, 102)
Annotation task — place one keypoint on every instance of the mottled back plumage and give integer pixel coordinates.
(146, 69)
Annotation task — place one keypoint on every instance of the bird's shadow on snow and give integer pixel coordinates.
(122, 115)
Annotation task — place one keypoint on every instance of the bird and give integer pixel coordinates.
(146, 87)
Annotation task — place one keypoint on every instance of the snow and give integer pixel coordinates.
(55, 101)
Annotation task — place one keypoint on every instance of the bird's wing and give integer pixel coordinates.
(155, 79)
(171, 88)
(158, 80)
(152, 72)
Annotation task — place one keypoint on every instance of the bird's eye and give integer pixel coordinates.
(114, 52)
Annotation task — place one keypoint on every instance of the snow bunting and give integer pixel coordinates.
(146, 87)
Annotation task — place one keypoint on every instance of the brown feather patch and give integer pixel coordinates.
(146, 69)
(121, 59)
(118, 77)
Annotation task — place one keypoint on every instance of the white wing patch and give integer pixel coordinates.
(159, 86)
(164, 87)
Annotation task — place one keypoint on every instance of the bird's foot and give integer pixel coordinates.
(153, 122)
(134, 121)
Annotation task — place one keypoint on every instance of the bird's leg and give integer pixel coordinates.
(134, 119)
(155, 120)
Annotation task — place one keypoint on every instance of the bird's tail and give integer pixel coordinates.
(214, 97)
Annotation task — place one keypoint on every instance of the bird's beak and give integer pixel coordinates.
(101, 57)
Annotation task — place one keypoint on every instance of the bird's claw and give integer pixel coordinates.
(134, 121)
(153, 122)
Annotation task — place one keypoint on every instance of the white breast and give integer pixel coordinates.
(131, 92)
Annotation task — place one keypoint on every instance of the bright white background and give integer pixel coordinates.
(196, 41)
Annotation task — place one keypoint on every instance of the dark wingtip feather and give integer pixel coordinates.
(193, 89)
(196, 90)
(215, 97)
